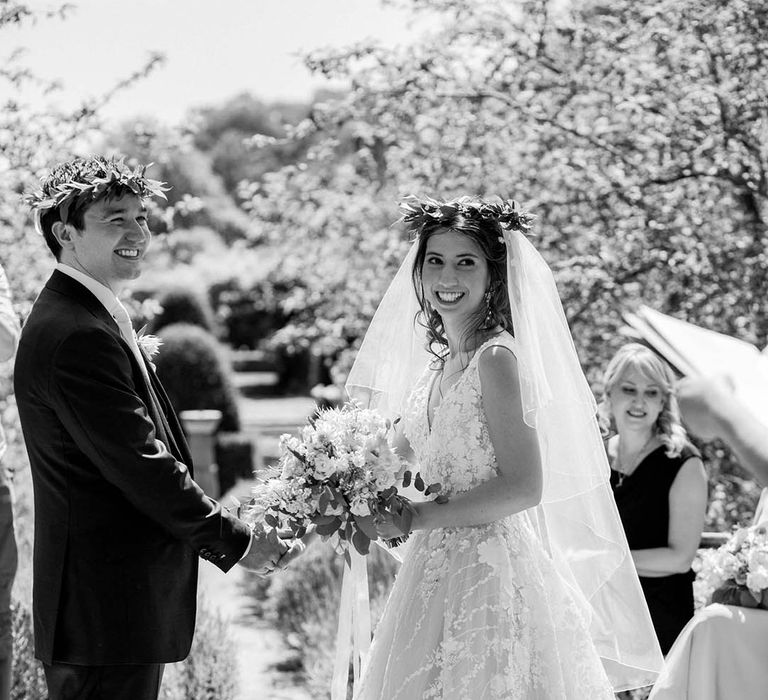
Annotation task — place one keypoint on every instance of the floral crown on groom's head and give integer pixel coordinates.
(419, 212)
(88, 179)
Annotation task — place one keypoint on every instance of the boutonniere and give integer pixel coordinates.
(150, 344)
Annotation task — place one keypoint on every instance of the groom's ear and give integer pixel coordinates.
(63, 233)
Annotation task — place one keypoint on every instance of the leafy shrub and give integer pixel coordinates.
(733, 493)
(210, 671)
(28, 681)
(195, 373)
(183, 305)
(234, 458)
(249, 314)
(298, 370)
(303, 602)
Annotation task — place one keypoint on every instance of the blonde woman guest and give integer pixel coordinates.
(658, 481)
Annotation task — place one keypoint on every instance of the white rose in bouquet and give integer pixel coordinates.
(757, 581)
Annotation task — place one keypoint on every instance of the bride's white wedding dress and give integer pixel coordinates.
(476, 612)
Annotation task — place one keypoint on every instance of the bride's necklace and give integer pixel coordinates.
(625, 470)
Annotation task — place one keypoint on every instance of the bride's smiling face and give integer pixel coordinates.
(454, 275)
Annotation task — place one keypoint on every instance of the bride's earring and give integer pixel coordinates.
(488, 322)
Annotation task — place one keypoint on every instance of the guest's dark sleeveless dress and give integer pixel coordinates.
(643, 503)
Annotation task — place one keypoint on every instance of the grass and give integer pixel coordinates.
(210, 670)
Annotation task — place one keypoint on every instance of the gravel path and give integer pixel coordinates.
(260, 646)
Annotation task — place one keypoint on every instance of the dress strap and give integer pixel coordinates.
(503, 339)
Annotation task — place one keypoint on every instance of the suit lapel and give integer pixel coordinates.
(65, 285)
(167, 426)
(167, 416)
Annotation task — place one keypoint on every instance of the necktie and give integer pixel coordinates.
(123, 321)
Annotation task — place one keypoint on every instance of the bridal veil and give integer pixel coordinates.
(577, 520)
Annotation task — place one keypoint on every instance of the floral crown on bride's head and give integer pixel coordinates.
(419, 212)
(83, 179)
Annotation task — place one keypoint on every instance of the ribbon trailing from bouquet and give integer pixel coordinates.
(353, 637)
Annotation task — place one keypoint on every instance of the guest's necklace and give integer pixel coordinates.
(625, 470)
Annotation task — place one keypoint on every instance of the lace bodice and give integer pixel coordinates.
(455, 450)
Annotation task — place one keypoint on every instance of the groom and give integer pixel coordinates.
(119, 520)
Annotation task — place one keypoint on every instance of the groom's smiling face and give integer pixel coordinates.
(111, 246)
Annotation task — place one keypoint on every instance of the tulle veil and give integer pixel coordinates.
(577, 520)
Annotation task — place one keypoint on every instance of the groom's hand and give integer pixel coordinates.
(266, 550)
(296, 548)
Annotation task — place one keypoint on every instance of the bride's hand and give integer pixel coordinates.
(296, 547)
(386, 527)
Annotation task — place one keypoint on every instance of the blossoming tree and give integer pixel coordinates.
(636, 132)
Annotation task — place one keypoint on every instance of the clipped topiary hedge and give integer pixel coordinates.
(249, 315)
(183, 305)
(196, 374)
(234, 458)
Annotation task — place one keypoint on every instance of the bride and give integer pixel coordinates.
(521, 585)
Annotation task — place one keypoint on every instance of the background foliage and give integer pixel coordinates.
(195, 373)
(210, 671)
(303, 602)
(635, 132)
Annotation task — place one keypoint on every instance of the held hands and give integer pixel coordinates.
(272, 550)
(385, 526)
(394, 528)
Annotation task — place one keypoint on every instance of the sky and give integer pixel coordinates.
(214, 49)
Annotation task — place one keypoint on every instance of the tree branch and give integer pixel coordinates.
(493, 94)
(597, 289)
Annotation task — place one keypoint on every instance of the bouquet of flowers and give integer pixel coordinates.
(341, 475)
(737, 572)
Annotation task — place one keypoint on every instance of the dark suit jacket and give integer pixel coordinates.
(119, 521)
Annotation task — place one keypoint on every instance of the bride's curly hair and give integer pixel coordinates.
(668, 426)
(481, 221)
